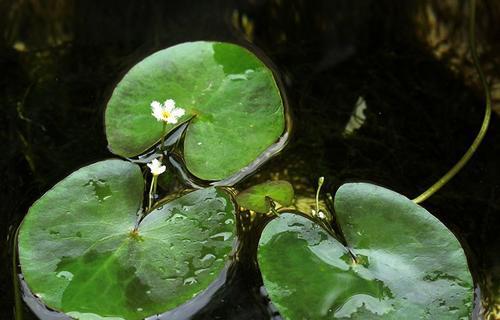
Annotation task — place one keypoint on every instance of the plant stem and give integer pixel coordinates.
(152, 191)
(155, 184)
(321, 180)
(162, 140)
(154, 179)
(487, 114)
(273, 206)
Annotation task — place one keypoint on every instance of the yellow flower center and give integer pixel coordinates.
(165, 114)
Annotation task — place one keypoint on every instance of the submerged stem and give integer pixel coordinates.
(487, 114)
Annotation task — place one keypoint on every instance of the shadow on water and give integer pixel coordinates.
(61, 59)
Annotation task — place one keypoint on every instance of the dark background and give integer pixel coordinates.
(59, 61)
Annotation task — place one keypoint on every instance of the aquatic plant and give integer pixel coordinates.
(97, 246)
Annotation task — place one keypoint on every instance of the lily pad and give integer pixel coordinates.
(408, 264)
(80, 255)
(229, 94)
(257, 197)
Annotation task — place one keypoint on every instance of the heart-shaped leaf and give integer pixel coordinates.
(408, 264)
(80, 253)
(232, 97)
(257, 197)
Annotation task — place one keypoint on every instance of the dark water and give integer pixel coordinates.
(60, 60)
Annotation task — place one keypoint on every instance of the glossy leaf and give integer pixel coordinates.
(231, 97)
(257, 197)
(80, 255)
(409, 265)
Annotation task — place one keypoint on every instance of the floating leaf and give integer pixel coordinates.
(256, 198)
(232, 97)
(79, 252)
(409, 265)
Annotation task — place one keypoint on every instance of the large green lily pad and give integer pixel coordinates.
(408, 266)
(79, 254)
(231, 97)
(258, 197)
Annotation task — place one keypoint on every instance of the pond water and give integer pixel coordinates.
(379, 91)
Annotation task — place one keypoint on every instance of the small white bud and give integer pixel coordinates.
(156, 167)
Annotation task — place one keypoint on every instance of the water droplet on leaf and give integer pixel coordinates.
(224, 235)
(65, 275)
(190, 281)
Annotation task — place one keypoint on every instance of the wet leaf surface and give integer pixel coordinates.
(231, 97)
(79, 252)
(408, 264)
(257, 197)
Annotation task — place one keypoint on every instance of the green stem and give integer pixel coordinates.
(321, 180)
(487, 114)
(162, 140)
(155, 184)
(152, 191)
(154, 180)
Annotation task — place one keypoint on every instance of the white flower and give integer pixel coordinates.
(166, 112)
(156, 167)
(321, 215)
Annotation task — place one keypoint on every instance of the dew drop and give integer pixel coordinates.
(178, 216)
(197, 272)
(208, 258)
(39, 296)
(224, 235)
(190, 281)
(65, 275)
(235, 77)
(102, 191)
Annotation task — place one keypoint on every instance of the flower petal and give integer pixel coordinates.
(156, 167)
(172, 120)
(157, 110)
(161, 169)
(155, 104)
(178, 112)
(169, 105)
